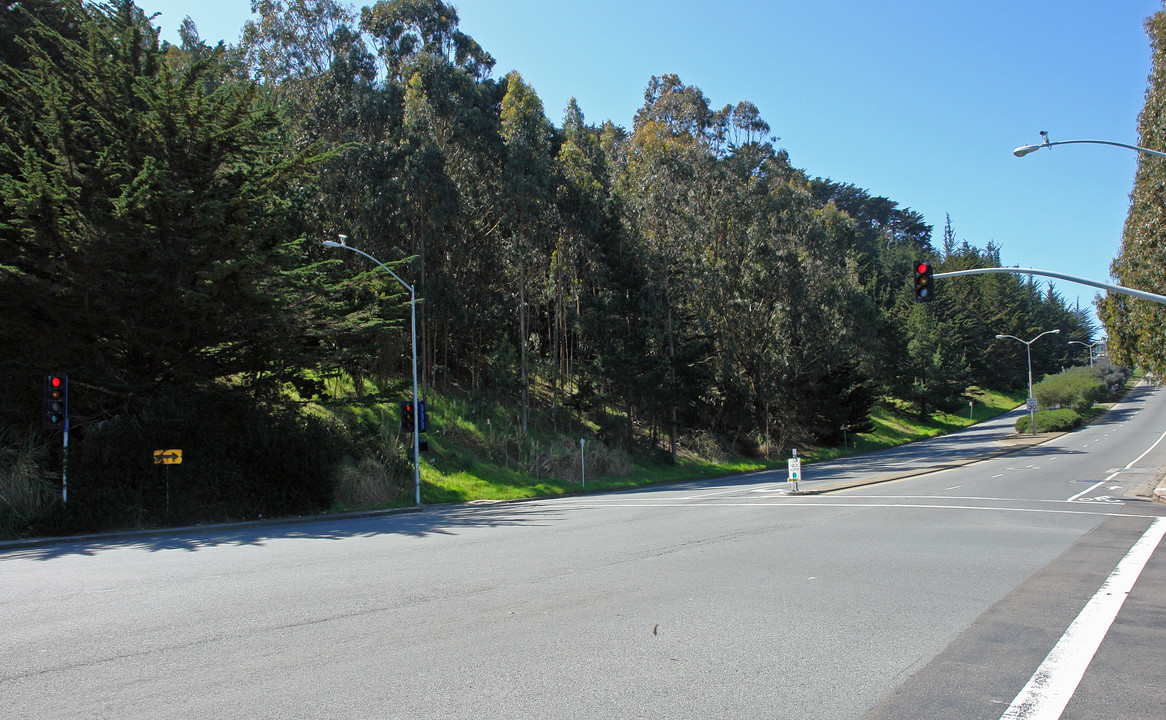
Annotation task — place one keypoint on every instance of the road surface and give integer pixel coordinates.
(938, 595)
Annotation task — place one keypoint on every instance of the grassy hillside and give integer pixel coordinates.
(476, 452)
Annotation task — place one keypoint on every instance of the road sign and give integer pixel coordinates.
(795, 469)
(1031, 404)
(167, 457)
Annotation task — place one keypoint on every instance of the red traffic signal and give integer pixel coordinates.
(407, 417)
(924, 283)
(55, 413)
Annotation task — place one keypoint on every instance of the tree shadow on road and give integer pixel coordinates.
(440, 520)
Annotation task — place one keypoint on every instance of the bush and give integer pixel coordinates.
(240, 460)
(26, 489)
(560, 460)
(1076, 389)
(1051, 421)
(384, 476)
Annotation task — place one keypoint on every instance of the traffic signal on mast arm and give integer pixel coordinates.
(924, 283)
(56, 402)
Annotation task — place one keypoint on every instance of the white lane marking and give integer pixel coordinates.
(954, 487)
(794, 503)
(1160, 438)
(1130, 464)
(1093, 487)
(996, 476)
(1051, 687)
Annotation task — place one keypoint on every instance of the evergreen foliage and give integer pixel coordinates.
(163, 208)
(1137, 327)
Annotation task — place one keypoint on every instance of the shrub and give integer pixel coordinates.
(382, 477)
(1050, 421)
(560, 460)
(1076, 388)
(26, 490)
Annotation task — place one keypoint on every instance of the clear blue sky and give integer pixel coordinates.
(920, 101)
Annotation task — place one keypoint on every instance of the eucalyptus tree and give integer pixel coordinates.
(667, 156)
(528, 177)
(584, 213)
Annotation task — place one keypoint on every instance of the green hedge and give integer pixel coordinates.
(1051, 421)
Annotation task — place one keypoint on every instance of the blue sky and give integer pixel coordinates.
(920, 101)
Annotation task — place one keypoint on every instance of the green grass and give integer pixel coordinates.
(475, 453)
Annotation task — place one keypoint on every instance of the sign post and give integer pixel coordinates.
(582, 462)
(794, 466)
(167, 458)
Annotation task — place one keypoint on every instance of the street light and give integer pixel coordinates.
(413, 309)
(1026, 149)
(1078, 342)
(1028, 348)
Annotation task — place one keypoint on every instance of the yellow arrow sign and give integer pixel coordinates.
(167, 457)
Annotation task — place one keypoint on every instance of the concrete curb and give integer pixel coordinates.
(1016, 444)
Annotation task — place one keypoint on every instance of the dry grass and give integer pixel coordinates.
(25, 487)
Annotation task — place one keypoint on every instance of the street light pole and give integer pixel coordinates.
(1026, 149)
(1028, 349)
(413, 322)
(1078, 342)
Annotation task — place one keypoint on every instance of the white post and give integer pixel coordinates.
(582, 462)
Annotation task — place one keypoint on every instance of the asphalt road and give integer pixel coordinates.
(937, 595)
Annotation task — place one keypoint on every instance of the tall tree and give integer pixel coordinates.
(528, 174)
(1137, 328)
(145, 235)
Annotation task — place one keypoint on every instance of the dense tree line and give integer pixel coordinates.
(163, 208)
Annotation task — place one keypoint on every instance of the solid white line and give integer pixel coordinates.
(1130, 464)
(1054, 682)
(795, 504)
(1160, 438)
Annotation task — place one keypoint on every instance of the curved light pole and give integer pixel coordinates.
(1026, 149)
(1078, 342)
(1028, 348)
(416, 409)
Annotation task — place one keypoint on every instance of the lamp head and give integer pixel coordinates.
(1000, 337)
(1025, 149)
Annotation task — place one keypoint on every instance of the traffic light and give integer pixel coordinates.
(924, 283)
(407, 417)
(56, 402)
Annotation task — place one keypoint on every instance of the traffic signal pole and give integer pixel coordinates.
(55, 415)
(1060, 276)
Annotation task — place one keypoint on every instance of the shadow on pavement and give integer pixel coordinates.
(429, 521)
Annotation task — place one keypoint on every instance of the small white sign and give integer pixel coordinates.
(795, 469)
(1031, 404)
